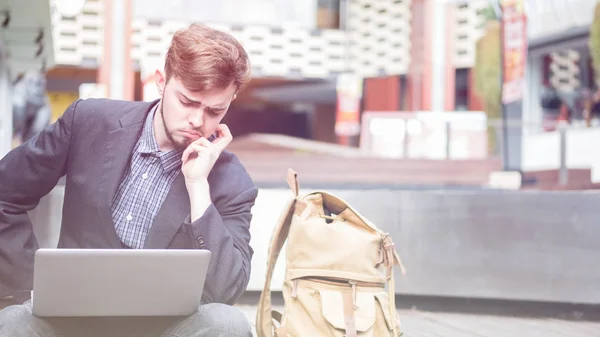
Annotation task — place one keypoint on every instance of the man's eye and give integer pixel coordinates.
(187, 104)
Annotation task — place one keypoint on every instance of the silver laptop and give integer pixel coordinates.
(118, 282)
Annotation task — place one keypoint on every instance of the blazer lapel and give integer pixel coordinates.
(170, 217)
(117, 155)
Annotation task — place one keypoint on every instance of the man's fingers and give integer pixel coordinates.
(205, 142)
(224, 130)
(194, 147)
(224, 137)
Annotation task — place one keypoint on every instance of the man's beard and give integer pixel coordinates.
(176, 145)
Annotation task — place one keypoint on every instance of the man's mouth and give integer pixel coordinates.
(191, 134)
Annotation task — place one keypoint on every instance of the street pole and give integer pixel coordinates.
(499, 15)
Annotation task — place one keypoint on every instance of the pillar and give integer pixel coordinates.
(431, 77)
(420, 74)
(116, 73)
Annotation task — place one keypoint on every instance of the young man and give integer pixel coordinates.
(141, 175)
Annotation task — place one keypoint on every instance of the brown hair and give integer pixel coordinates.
(203, 58)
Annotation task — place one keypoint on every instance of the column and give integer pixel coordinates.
(116, 73)
(439, 56)
(421, 72)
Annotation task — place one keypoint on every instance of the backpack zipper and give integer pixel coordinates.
(337, 282)
(341, 282)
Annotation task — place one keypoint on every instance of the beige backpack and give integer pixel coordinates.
(337, 267)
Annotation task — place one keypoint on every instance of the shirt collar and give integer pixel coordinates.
(148, 143)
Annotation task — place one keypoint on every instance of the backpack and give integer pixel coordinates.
(337, 267)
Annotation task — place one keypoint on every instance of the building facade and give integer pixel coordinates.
(413, 55)
(300, 46)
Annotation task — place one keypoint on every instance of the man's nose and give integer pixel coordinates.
(196, 118)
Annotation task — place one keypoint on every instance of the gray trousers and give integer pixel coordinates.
(210, 320)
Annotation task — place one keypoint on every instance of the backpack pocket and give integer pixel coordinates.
(320, 307)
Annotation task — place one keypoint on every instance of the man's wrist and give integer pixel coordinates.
(199, 193)
(197, 186)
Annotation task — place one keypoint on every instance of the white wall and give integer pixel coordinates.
(548, 17)
(541, 151)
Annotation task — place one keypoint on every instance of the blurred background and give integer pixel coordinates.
(466, 129)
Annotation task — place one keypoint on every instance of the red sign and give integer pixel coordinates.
(349, 91)
(514, 42)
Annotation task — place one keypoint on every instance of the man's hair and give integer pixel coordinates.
(203, 58)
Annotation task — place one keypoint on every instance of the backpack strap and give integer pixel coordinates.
(264, 314)
(390, 259)
(292, 180)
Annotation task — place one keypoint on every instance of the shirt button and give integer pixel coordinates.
(200, 240)
(145, 176)
(129, 217)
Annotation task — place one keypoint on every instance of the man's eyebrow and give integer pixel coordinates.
(189, 99)
(217, 107)
(200, 103)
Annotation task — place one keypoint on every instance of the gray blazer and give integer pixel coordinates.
(91, 144)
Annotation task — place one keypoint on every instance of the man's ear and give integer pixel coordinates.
(161, 81)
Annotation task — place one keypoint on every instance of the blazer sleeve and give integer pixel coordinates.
(225, 232)
(28, 173)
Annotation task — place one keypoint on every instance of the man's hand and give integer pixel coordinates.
(200, 156)
(198, 160)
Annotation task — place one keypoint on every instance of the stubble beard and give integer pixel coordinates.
(177, 145)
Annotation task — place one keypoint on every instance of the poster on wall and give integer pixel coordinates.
(514, 42)
(349, 93)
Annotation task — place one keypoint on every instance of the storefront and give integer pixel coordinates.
(559, 81)
(25, 46)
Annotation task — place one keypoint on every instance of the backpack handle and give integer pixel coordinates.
(264, 315)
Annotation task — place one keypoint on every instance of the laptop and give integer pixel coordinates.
(118, 282)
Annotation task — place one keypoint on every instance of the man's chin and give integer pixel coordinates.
(182, 145)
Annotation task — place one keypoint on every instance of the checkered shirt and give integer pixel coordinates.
(143, 187)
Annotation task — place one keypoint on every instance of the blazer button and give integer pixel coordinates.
(201, 240)
(203, 247)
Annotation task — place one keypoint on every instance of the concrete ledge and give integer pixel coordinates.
(489, 244)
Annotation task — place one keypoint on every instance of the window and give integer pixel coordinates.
(403, 92)
(461, 91)
(328, 14)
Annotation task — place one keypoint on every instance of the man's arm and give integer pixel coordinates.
(226, 234)
(27, 173)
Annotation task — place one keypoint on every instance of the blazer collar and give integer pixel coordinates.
(138, 114)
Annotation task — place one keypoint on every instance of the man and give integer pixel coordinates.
(141, 175)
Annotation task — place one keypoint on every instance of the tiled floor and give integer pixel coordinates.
(420, 323)
(428, 324)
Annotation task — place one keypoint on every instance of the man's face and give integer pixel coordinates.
(187, 116)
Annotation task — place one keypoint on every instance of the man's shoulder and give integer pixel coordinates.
(107, 107)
